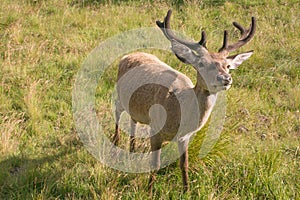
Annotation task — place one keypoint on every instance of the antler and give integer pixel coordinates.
(166, 29)
(246, 36)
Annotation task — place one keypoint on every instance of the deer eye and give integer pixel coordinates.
(228, 66)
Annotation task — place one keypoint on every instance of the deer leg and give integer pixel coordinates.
(183, 150)
(155, 161)
(116, 137)
(132, 135)
(118, 112)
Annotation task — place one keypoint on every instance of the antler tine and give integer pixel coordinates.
(166, 29)
(162, 25)
(246, 36)
(203, 40)
(225, 42)
(241, 28)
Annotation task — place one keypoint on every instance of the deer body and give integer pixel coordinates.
(148, 67)
(180, 101)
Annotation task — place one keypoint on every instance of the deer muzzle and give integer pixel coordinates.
(225, 79)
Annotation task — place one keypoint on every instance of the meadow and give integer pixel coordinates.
(43, 45)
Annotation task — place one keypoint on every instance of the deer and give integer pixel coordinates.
(213, 76)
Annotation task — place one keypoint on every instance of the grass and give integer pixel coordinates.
(43, 44)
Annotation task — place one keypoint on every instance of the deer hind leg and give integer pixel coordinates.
(155, 161)
(183, 150)
(118, 111)
(132, 135)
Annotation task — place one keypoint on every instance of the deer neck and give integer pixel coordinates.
(206, 101)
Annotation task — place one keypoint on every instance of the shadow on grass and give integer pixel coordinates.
(26, 178)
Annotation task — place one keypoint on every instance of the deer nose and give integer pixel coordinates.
(225, 79)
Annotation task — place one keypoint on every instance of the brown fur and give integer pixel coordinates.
(147, 95)
(136, 59)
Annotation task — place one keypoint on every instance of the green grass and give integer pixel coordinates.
(43, 44)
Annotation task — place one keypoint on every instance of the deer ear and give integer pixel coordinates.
(183, 53)
(237, 60)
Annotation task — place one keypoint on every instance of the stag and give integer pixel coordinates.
(212, 76)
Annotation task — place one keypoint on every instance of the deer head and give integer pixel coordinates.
(212, 68)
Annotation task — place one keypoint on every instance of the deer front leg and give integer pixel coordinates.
(116, 137)
(155, 162)
(118, 112)
(184, 164)
(132, 135)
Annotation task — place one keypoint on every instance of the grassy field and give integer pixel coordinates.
(43, 44)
